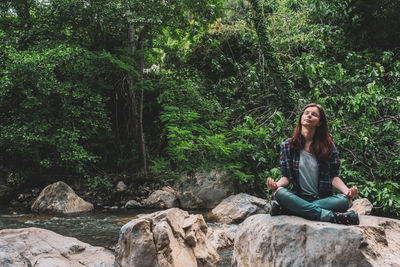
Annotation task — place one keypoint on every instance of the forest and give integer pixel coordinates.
(156, 88)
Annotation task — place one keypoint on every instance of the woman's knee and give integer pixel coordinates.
(279, 188)
(342, 203)
(344, 199)
(282, 193)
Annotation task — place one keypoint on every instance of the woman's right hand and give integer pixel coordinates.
(271, 184)
(352, 192)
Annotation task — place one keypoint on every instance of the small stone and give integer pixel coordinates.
(121, 187)
(35, 191)
(132, 204)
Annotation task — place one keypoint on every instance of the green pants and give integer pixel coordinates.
(317, 210)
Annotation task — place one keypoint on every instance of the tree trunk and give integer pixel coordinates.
(22, 7)
(136, 112)
(142, 142)
(287, 94)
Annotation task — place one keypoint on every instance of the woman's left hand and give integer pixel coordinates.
(352, 192)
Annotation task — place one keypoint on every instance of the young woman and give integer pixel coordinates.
(310, 161)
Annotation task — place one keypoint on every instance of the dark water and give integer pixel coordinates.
(98, 228)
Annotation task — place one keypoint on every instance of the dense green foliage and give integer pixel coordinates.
(93, 88)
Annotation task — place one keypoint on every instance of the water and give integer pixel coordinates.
(99, 228)
(96, 228)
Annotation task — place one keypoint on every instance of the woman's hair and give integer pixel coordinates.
(322, 144)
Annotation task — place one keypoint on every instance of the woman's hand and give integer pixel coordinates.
(352, 192)
(349, 193)
(271, 184)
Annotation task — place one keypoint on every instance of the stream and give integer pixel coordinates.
(98, 228)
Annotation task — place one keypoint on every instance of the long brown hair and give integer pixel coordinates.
(322, 144)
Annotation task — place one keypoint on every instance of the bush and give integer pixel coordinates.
(53, 110)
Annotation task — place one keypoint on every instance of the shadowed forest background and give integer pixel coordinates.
(153, 89)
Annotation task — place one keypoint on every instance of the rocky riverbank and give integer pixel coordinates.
(175, 237)
(100, 198)
(204, 190)
(178, 237)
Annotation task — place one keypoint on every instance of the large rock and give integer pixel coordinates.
(59, 198)
(162, 199)
(43, 248)
(262, 240)
(165, 238)
(221, 237)
(362, 206)
(237, 208)
(205, 190)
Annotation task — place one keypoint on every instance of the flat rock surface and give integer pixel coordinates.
(262, 240)
(44, 248)
(237, 208)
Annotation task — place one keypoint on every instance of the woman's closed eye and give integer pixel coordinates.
(312, 114)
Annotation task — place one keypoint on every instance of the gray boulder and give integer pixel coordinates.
(262, 240)
(42, 248)
(59, 198)
(362, 206)
(205, 190)
(162, 199)
(166, 238)
(133, 204)
(237, 208)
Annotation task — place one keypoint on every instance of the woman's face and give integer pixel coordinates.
(311, 117)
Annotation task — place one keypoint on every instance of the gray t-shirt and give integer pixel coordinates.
(308, 170)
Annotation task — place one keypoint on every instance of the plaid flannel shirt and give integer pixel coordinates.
(326, 170)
